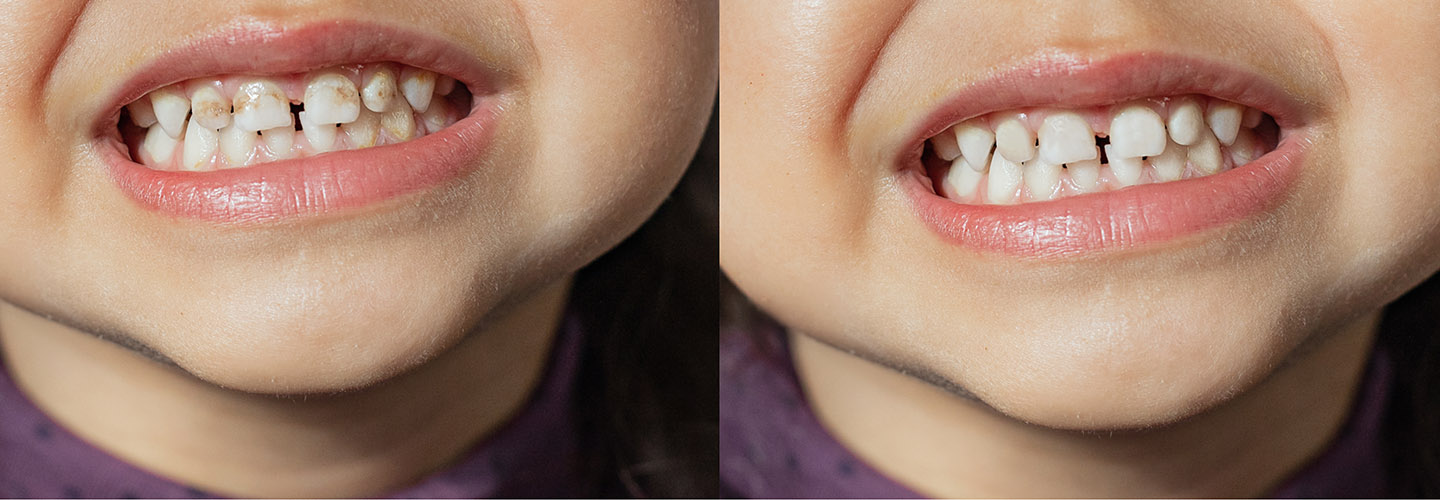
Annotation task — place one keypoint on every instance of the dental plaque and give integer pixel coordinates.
(235, 121)
(1032, 155)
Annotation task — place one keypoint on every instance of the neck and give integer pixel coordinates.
(941, 445)
(359, 443)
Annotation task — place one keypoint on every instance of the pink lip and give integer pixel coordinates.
(1122, 219)
(323, 184)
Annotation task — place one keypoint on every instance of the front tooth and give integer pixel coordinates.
(1205, 154)
(963, 179)
(1137, 131)
(1186, 122)
(1224, 118)
(1066, 137)
(1014, 141)
(320, 137)
(281, 141)
(975, 140)
(379, 90)
(945, 145)
(261, 105)
(1005, 176)
(1043, 179)
(1126, 170)
(399, 122)
(209, 108)
(1085, 175)
(170, 106)
(418, 85)
(332, 98)
(1170, 165)
(200, 146)
(237, 144)
(141, 112)
(364, 131)
(159, 144)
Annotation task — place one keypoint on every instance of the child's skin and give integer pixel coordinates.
(1239, 348)
(450, 296)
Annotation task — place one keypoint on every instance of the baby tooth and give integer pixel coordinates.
(399, 122)
(364, 131)
(170, 106)
(321, 137)
(1014, 141)
(281, 141)
(332, 98)
(261, 105)
(963, 179)
(945, 146)
(1186, 122)
(1224, 118)
(1085, 175)
(1043, 179)
(975, 142)
(444, 85)
(1065, 138)
(159, 144)
(1205, 154)
(141, 112)
(1005, 176)
(418, 85)
(209, 108)
(1127, 170)
(200, 146)
(1137, 131)
(379, 90)
(1170, 165)
(237, 144)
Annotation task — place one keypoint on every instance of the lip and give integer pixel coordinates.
(307, 187)
(1123, 219)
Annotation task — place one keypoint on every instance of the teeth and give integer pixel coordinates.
(1005, 177)
(1137, 131)
(1251, 119)
(418, 86)
(1170, 165)
(364, 131)
(1244, 149)
(1043, 179)
(200, 146)
(945, 146)
(399, 122)
(1224, 118)
(1066, 138)
(975, 142)
(261, 105)
(332, 98)
(963, 179)
(159, 144)
(379, 90)
(237, 144)
(1085, 175)
(171, 106)
(437, 116)
(1186, 122)
(320, 137)
(141, 112)
(209, 108)
(444, 85)
(1205, 154)
(1014, 141)
(1126, 170)
(280, 141)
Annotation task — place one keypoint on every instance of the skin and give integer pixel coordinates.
(450, 298)
(1137, 373)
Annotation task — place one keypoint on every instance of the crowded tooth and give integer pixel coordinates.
(1136, 131)
(1126, 170)
(1186, 122)
(170, 106)
(1244, 149)
(444, 85)
(1065, 137)
(320, 137)
(280, 141)
(1014, 141)
(1252, 118)
(200, 146)
(418, 85)
(1170, 165)
(963, 179)
(379, 90)
(1005, 176)
(364, 131)
(209, 108)
(141, 112)
(945, 146)
(400, 122)
(1043, 179)
(237, 144)
(437, 116)
(976, 141)
(1085, 175)
(261, 105)
(332, 98)
(159, 144)
(1205, 156)
(1224, 118)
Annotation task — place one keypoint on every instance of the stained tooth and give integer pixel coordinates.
(364, 131)
(1224, 118)
(1065, 137)
(418, 85)
(437, 116)
(1126, 170)
(1170, 165)
(159, 145)
(209, 108)
(170, 106)
(1186, 121)
(332, 98)
(1014, 141)
(320, 137)
(237, 144)
(1085, 175)
(1137, 131)
(975, 140)
(963, 179)
(379, 90)
(1205, 154)
(1043, 179)
(444, 85)
(141, 112)
(200, 146)
(281, 141)
(945, 146)
(261, 105)
(399, 122)
(1005, 177)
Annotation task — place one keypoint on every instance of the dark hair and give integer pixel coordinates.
(1410, 334)
(648, 386)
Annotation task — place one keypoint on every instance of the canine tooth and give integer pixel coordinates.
(1170, 165)
(364, 131)
(1043, 179)
(1244, 149)
(281, 141)
(1224, 118)
(945, 146)
(418, 85)
(437, 117)
(1085, 175)
(975, 140)
(142, 112)
(170, 106)
(1186, 122)
(1127, 170)
(963, 179)
(261, 105)
(159, 144)
(379, 90)
(237, 144)
(332, 98)
(1205, 154)
(209, 108)
(444, 85)
(1014, 141)
(1005, 177)
(200, 146)
(1252, 118)
(321, 137)
(1065, 138)
(1137, 131)
(399, 122)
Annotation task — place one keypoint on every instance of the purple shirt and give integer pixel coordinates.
(772, 445)
(535, 454)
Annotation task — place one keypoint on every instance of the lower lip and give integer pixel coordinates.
(1129, 218)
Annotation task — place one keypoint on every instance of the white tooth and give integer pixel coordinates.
(963, 179)
(171, 106)
(1014, 141)
(320, 137)
(281, 141)
(1224, 118)
(200, 146)
(1137, 131)
(1065, 138)
(975, 141)
(1170, 165)
(418, 86)
(237, 144)
(1244, 149)
(209, 108)
(159, 145)
(379, 90)
(1005, 176)
(1085, 175)
(332, 98)
(261, 105)
(141, 112)
(945, 146)
(1043, 179)
(1186, 121)
(1126, 170)
(364, 131)
(1205, 154)
(444, 85)
(437, 116)
(399, 122)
